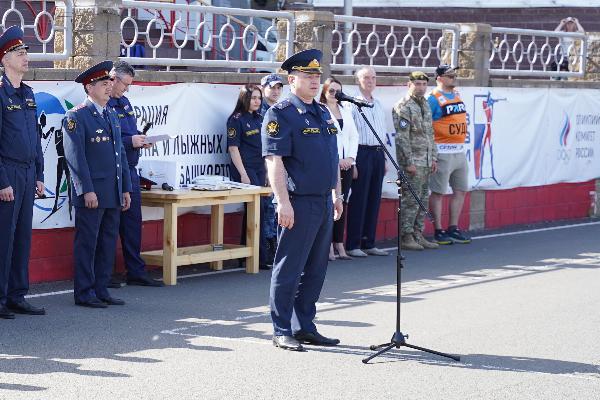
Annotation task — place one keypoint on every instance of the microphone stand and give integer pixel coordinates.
(399, 339)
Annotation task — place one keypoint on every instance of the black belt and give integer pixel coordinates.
(367, 147)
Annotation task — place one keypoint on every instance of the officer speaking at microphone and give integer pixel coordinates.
(21, 175)
(101, 182)
(300, 146)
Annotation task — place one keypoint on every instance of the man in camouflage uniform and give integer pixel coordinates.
(417, 154)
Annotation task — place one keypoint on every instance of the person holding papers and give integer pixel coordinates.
(245, 148)
(130, 226)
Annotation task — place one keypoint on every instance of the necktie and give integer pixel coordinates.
(105, 115)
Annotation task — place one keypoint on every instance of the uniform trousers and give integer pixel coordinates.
(300, 265)
(365, 198)
(413, 219)
(15, 236)
(96, 231)
(130, 229)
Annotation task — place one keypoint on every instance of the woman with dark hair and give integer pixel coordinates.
(347, 142)
(245, 148)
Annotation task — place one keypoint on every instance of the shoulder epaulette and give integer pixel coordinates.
(283, 104)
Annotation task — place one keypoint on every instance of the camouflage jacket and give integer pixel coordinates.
(414, 132)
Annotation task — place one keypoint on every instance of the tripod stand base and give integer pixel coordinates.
(399, 340)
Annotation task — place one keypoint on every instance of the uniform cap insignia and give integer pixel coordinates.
(273, 128)
(231, 132)
(314, 64)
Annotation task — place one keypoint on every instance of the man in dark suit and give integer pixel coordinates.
(101, 183)
(21, 175)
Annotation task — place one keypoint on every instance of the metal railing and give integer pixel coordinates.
(44, 28)
(526, 52)
(188, 35)
(390, 45)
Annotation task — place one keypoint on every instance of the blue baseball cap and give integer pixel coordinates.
(271, 80)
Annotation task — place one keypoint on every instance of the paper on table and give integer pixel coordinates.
(156, 138)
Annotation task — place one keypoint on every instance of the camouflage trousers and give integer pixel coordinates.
(413, 219)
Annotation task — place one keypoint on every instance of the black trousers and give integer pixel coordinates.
(340, 224)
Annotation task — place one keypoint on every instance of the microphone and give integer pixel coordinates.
(146, 127)
(358, 102)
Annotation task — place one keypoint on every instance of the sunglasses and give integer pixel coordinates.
(331, 91)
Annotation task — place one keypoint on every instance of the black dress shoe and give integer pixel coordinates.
(115, 283)
(5, 313)
(112, 301)
(93, 303)
(287, 343)
(23, 307)
(264, 267)
(144, 280)
(315, 338)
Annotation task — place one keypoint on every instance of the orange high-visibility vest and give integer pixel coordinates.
(451, 128)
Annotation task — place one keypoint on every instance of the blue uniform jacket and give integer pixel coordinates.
(306, 138)
(128, 122)
(243, 131)
(95, 155)
(19, 139)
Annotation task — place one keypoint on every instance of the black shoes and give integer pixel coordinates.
(287, 343)
(5, 313)
(315, 339)
(114, 283)
(112, 301)
(93, 303)
(264, 267)
(144, 280)
(23, 307)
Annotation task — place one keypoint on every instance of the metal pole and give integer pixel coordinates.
(347, 28)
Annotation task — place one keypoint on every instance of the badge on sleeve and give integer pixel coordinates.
(71, 125)
(273, 128)
(231, 132)
(404, 123)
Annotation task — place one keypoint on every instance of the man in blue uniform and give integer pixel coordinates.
(130, 226)
(21, 175)
(300, 145)
(101, 183)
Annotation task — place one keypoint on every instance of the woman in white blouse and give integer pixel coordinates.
(347, 142)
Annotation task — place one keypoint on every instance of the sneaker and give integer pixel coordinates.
(409, 243)
(420, 239)
(458, 237)
(441, 237)
(356, 253)
(375, 252)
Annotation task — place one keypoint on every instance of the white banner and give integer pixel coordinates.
(520, 137)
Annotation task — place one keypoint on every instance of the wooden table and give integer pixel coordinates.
(171, 256)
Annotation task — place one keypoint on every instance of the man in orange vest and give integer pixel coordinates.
(450, 131)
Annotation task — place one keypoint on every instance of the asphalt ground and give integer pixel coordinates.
(519, 308)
